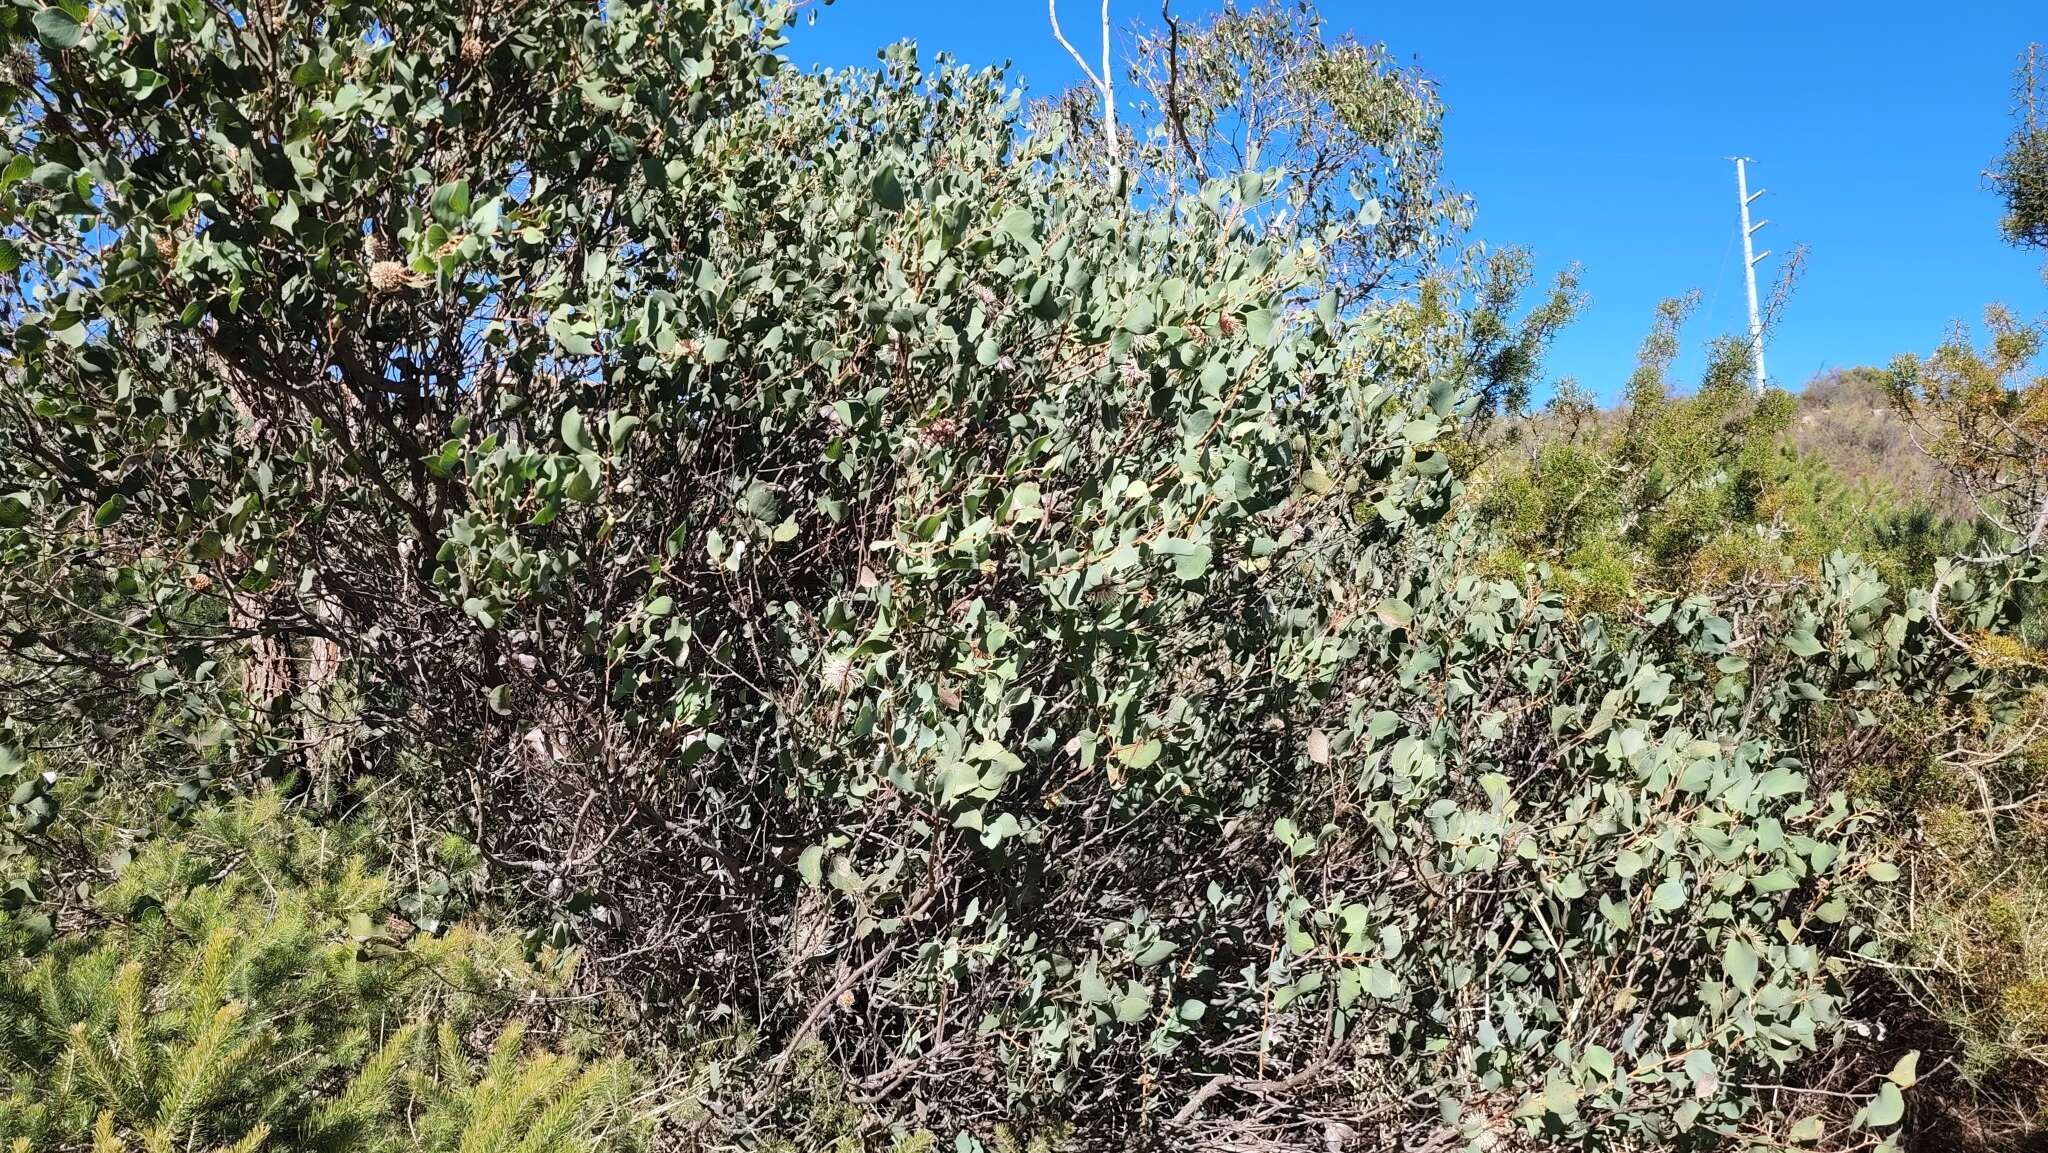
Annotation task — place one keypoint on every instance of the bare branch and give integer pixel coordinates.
(1176, 117)
(1103, 82)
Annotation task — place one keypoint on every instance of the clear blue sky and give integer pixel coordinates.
(1595, 133)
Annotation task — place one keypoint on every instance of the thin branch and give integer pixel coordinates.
(1176, 119)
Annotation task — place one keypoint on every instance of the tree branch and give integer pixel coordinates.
(1104, 83)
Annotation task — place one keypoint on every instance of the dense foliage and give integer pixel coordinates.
(238, 989)
(974, 645)
(1714, 487)
(2021, 174)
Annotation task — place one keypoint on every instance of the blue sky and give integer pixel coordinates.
(1595, 133)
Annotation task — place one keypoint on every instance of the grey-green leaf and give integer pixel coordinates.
(1886, 1108)
(1738, 961)
(1669, 895)
(573, 433)
(57, 29)
(1134, 1004)
(1906, 1073)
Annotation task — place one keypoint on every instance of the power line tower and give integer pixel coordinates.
(1750, 259)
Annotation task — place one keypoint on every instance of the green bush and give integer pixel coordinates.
(2021, 172)
(1671, 493)
(239, 988)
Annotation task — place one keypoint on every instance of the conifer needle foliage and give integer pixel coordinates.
(238, 991)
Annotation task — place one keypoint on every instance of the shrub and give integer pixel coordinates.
(1670, 493)
(239, 988)
(893, 597)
